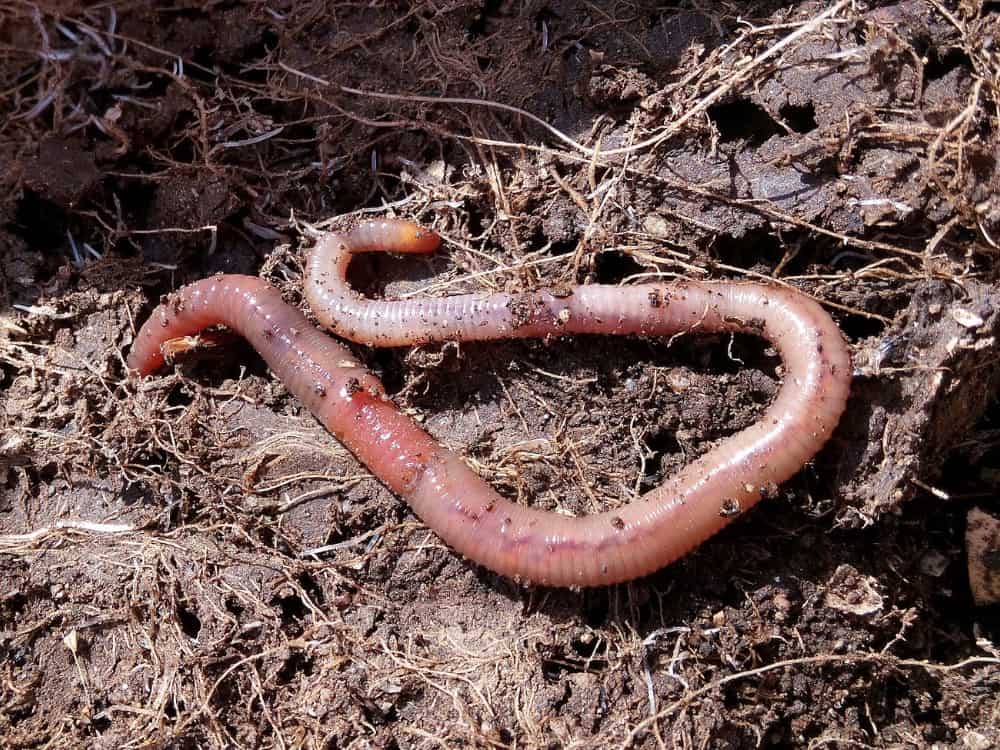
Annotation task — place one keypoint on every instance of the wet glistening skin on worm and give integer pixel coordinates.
(525, 543)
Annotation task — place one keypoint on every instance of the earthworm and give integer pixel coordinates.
(521, 542)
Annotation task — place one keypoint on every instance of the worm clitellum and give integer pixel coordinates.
(518, 541)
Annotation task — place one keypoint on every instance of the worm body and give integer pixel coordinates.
(522, 542)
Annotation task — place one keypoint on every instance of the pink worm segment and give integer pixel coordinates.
(525, 543)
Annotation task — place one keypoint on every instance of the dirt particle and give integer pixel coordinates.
(730, 507)
(521, 311)
(561, 290)
(850, 592)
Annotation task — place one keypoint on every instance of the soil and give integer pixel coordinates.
(191, 561)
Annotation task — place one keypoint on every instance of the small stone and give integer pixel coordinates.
(656, 226)
(966, 318)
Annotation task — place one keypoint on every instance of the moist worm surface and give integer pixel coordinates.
(525, 543)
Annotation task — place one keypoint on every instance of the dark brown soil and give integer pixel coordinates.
(191, 561)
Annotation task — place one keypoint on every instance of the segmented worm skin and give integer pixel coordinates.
(518, 541)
